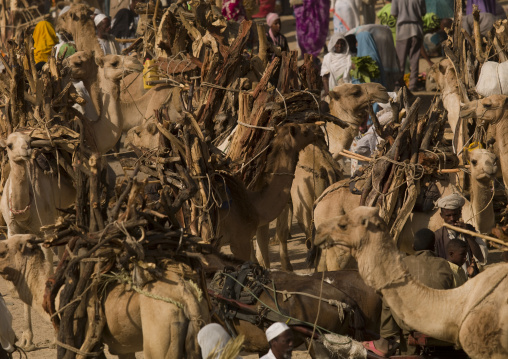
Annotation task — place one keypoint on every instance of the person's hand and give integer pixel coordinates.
(470, 270)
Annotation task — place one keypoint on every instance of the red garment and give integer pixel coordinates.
(265, 7)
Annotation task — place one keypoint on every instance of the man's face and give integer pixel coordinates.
(451, 216)
(104, 27)
(282, 346)
(458, 257)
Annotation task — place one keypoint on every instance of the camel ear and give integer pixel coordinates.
(3, 144)
(99, 60)
(151, 128)
(334, 95)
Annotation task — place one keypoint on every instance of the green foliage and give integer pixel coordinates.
(430, 22)
(365, 69)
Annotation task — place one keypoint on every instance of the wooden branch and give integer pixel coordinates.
(475, 234)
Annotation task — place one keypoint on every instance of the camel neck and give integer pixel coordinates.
(340, 138)
(482, 205)
(29, 283)
(19, 200)
(279, 175)
(501, 135)
(107, 130)
(431, 311)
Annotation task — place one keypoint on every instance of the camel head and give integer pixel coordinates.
(78, 23)
(143, 136)
(296, 137)
(82, 64)
(351, 102)
(443, 74)
(117, 67)
(18, 147)
(14, 252)
(489, 109)
(350, 231)
(483, 165)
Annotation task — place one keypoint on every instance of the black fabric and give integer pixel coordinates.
(124, 20)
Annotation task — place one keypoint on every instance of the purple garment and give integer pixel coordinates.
(233, 10)
(312, 21)
(483, 5)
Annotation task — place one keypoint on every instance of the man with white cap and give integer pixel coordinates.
(107, 41)
(451, 212)
(280, 338)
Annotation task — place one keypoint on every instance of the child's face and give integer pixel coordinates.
(340, 46)
(458, 257)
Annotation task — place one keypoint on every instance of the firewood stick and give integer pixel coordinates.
(474, 234)
(352, 156)
(363, 158)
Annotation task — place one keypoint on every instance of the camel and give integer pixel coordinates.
(134, 322)
(316, 169)
(492, 111)
(443, 73)
(103, 85)
(30, 200)
(250, 209)
(78, 23)
(138, 104)
(131, 113)
(338, 200)
(473, 316)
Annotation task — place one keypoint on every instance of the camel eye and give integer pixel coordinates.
(9, 146)
(342, 226)
(114, 64)
(474, 162)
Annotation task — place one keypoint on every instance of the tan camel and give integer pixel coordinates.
(351, 104)
(338, 200)
(103, 85)
(132, 113)
(473, 316)
(134, 322)
(443, 73)
(316, 170)
(249, 210)
(493, 111)
(30, 200)
(78, 23)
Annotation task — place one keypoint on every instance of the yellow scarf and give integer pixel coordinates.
(44, 40)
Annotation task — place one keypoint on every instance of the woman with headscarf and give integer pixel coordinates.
(366, 46)
(233, 10)
(273, 35)
(383, 39)
(312, 19)
(336, 63)
(44, 39)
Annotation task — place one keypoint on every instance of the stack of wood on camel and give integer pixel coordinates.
(131, 266)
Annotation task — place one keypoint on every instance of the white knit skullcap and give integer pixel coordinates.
(275, 330)
(453, 201)
(98, 18)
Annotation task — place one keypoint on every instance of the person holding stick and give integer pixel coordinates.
(451, 212)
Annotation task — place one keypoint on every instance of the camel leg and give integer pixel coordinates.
(282, 232)
(26, 340)
(262, 242)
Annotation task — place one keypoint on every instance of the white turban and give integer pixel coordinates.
(275, 330)
(98, 18)
(212, 337)
(453, 201)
